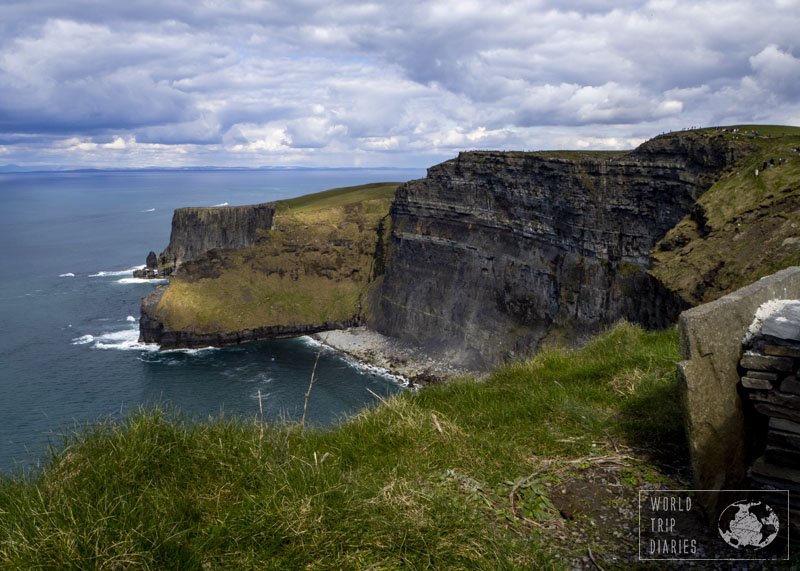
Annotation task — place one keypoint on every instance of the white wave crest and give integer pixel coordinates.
(125, 340)
(220, 204)
(84, 340)
(148, 210)
(311, 342)
(198, 351)
(141, 281)
(131, 319)
(67, 275)
(113, 273)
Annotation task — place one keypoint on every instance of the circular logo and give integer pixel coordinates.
(748, 525)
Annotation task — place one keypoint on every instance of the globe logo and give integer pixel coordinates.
(748, 525)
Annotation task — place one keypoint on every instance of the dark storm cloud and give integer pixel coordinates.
(338, 82)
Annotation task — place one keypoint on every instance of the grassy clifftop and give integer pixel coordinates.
(744, 227)
(527, 469)
(312, 267)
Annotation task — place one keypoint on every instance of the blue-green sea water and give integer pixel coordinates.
(69, 309)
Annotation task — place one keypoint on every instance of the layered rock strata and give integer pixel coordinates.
(495, 253)
(769, 370)
(195, 231)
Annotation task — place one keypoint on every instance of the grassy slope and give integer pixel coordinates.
(311, 268)
(753, 223)
(423, 481)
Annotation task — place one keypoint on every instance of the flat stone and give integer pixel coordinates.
(769, 409)
(782, 439)
(784, 425)
(757, 384)
(782, 457)
(765, 482)
(782, 351)
(766, 363)
(763, 468)
(779, 398)
(762, 375)
(784, 323)
(790, 385)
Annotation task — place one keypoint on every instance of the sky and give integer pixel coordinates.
(251, 83)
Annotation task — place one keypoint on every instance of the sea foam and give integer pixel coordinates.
(113, 273)
(67, 275)
(125, 340)
(141, 281)
(84, 340)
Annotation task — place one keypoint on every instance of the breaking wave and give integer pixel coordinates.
(141, 281)
(113, 273)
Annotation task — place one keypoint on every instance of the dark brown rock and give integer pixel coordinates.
(152, 261)
(782, 351)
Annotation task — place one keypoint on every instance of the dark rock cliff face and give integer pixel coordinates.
(495, 252)
(196, 231)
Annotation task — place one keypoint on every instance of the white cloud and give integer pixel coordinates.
(345, 82)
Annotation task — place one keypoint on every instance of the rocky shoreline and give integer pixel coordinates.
(399, 358)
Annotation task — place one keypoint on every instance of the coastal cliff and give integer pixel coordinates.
(196, 231)
(495, 253)
(283, 269)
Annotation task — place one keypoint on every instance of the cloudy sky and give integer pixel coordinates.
(402, 83)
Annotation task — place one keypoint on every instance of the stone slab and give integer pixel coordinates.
(711, 341)
(766, 470)
(783, 439)
(777, 411)
(759, 362)
(757, 384)
(784, 323)
(782, 457)
(763, 375)
(790, 385)
(782, 351)
(784, 425)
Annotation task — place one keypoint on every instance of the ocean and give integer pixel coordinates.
(69, 310)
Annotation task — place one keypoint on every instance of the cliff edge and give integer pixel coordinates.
(495, 253)
(281, 269)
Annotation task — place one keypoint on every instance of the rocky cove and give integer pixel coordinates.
(488, 258)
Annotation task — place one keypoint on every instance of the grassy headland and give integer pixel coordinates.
(526, 469)
(744, 227)
(312, 267)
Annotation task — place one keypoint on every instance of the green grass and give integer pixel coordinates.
(752, 221)
(313, 267)
(340, 197)
(420, 482)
